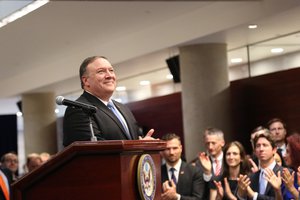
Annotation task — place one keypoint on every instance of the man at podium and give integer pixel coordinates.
(112, 120)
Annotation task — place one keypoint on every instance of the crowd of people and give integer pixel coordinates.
(225, 171)
(9, 169)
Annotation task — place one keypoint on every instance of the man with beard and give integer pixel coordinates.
(180, 180)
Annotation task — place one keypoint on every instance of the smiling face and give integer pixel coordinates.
(233, 156)
(100, 79)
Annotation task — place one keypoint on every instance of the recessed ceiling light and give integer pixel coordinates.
(277, 50)
(169, 76)
(252, 26)
(144, 82)
(236, 60)
(121, 88)
(19, 114)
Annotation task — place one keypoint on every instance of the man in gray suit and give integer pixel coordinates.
(180, 180)
(113, 120)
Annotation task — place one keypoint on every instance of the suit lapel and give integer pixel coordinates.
(275, 170)
(104, 109)
(181, 176)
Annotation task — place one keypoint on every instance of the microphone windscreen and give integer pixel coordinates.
(59, 100)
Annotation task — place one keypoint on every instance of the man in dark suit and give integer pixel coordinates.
(180, 180)
(113, 120)
(278, 133)
(257, 187)
(210, 163)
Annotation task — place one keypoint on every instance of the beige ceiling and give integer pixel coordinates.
(43, 50)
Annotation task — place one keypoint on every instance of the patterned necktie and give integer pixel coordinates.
(111, 106)
(262, 182)
(173, 177)
(218, 168)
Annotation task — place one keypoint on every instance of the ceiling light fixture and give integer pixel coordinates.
(169, 77)
(252, 26)
(277, 50)
(236, 60)
(121, 88)
(23, 11)
(143, 83)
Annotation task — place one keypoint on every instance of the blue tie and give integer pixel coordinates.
(173, 177)
(262, 183)
(111, 106)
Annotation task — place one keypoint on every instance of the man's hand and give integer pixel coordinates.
(254, 167)
(205, 162)
(148, 136)
(169, 191)
(274, 180)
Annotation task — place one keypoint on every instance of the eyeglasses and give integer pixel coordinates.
(11, 160)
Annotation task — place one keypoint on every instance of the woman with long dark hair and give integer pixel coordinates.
(235, 163)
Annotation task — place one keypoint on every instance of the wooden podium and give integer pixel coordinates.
(91, 170)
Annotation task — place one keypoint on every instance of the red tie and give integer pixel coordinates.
(218, 168)
(4, 188)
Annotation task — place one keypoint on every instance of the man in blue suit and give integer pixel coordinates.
(180, 180)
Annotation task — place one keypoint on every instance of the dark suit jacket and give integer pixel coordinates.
(269, 193)
(190, 184)
(106, 125)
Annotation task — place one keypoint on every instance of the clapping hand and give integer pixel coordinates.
(243, 184)
(169, 191)
(205, 162)
(254, 167)
(220, 190)
(274, 180)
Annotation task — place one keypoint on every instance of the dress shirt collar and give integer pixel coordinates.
(105, 102)
(219, 158)
(271, 166)
(177, 166)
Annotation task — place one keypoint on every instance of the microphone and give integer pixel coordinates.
(60, 100)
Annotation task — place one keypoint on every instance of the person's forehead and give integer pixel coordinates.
(276, 124)
(173, 142)
(233, 148)
(263, 140)
(9, 156)
(212, 138)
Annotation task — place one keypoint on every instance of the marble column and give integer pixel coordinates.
(205, 93)
(39, 123)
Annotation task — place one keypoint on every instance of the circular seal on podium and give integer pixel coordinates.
(146, 177)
